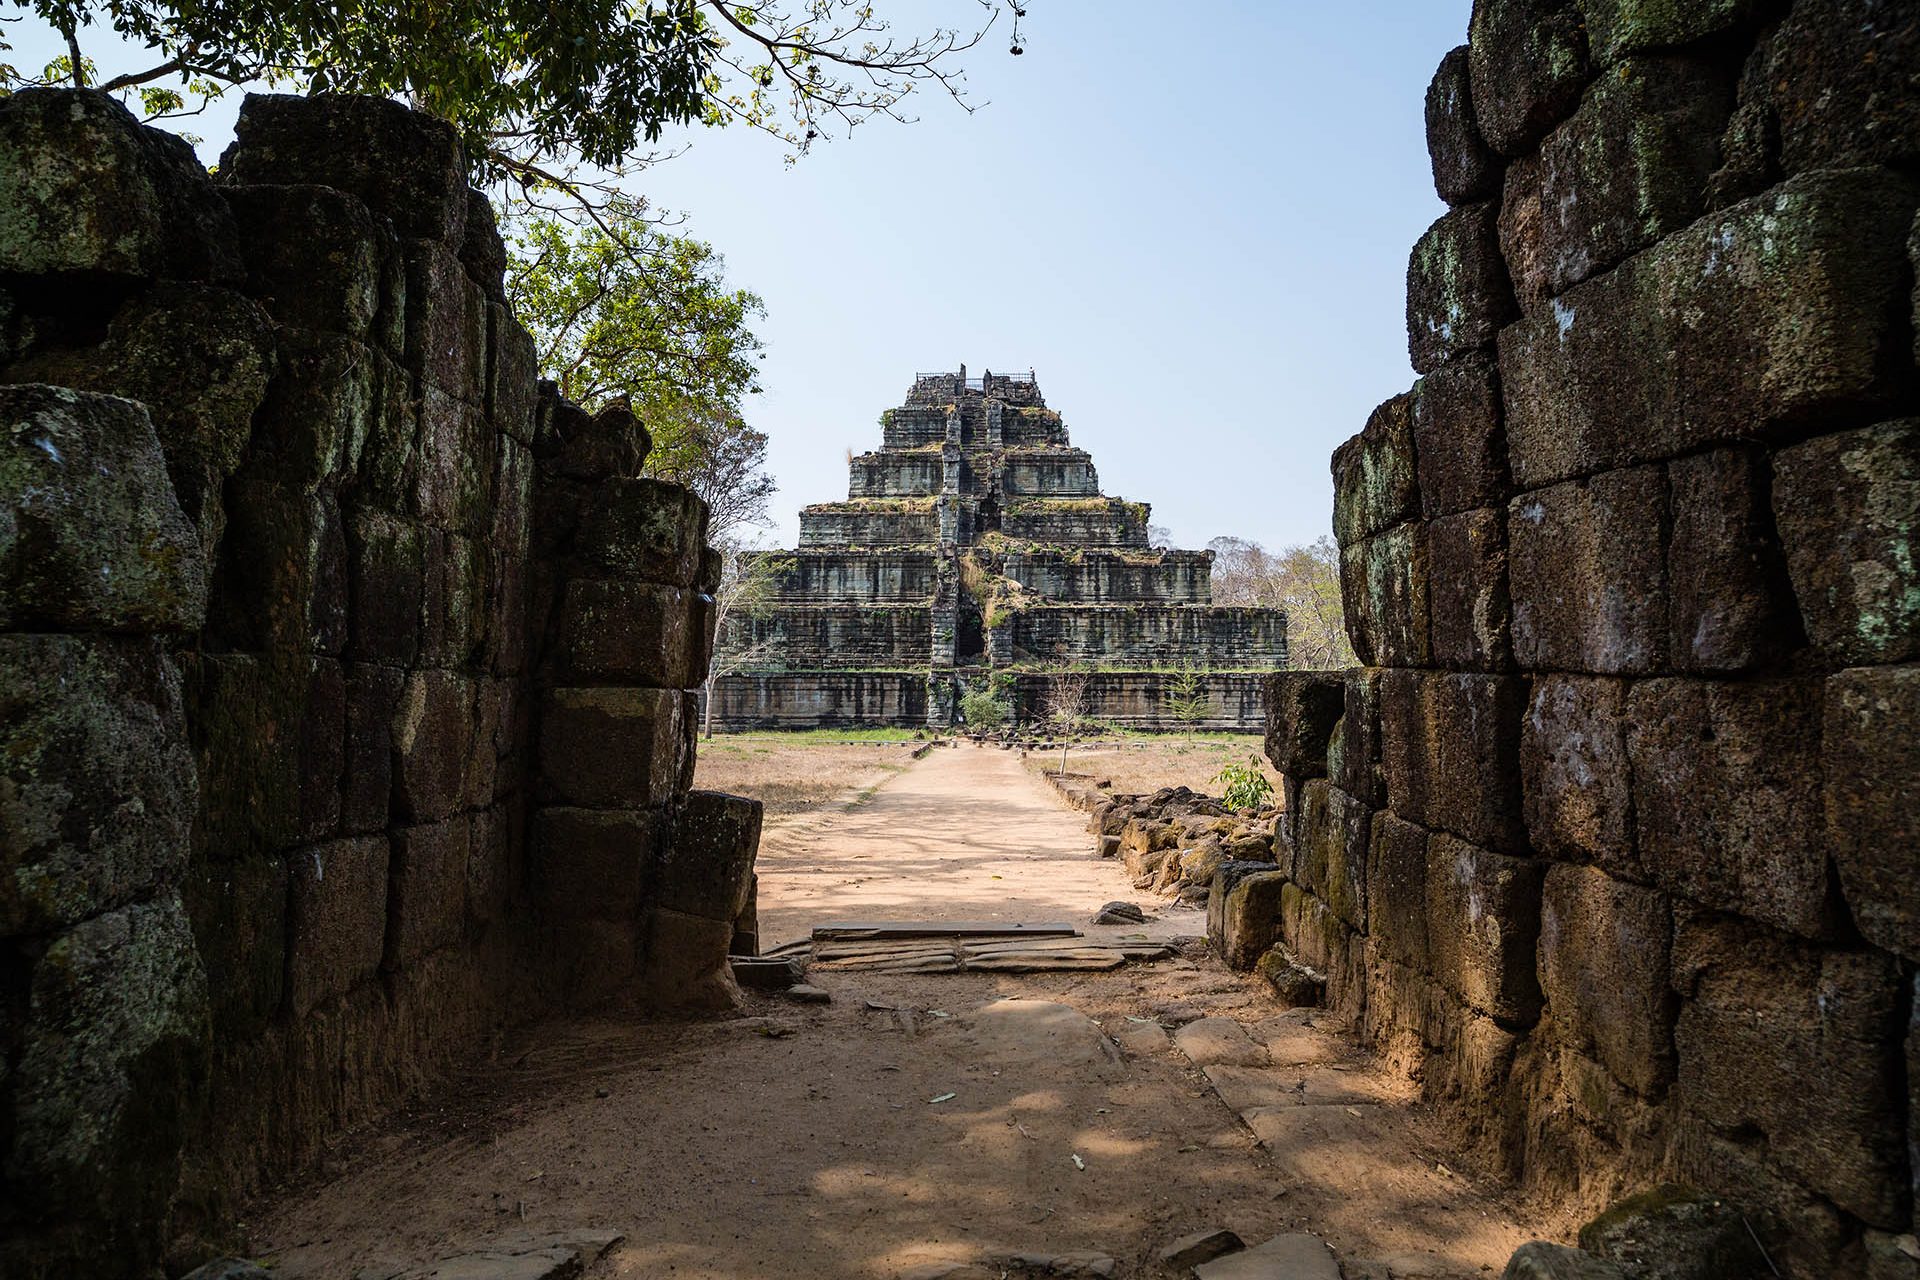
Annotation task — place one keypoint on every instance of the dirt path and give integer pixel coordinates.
(936, 1136)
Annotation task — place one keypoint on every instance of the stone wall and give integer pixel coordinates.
(1077, 522)
(913, 524)
(815, 636)
(344, 671)
(854, 576)
(1101, 577)
(1612, 840)
(1140, 699)
(1130, 635)
(822, 699)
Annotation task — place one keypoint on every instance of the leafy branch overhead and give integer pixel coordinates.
(544, 95)
(636, 314)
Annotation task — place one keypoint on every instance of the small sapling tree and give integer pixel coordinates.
(1186, 699)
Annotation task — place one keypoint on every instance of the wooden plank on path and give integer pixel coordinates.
(875, 930)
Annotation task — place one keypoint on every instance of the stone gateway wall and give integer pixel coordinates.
(1612, 842)
(345, 671)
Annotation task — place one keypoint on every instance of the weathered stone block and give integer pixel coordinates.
(1605, 949)
(1383, 584)
(1843, 89)
(406, 166)
(629, 632)
(576, 445)
(1459, 446)
(1374, 486)
(432, 740)
(1586, 570)
(1302, 709)
(1761, 317)
(269, 738)
(1246, 921)
(91, 535)
(337, 918)
(1311, 931)
(109, 1069)
(315, 257)
(1630, 166)
(427, 893)
(1467, 591)
(319, 410)
(456, 604)
(1464, 168)
(199, 358)
(97, 787)
(1728, 602)
(284, 582)
(1450, 750)
(612, 748)
(1845, 505)
(388, 479)
(1872, 747)
(482, 252)
(1528, 60)
(1353, 750)
(1539, 1260)
(1330, 850)
(454, 471)
(1397, 890)
(1620, 28)
(684, 963)
(1575, 776)
(646, 529)
(386, 582)
(88, 189)
(493, 867)
(1726, 782)
(239, 915)
(706, 863)
(1801, 1045)
(373, 697)
(446, 324)
(1483, 921)
(1458, 294)
(513, 376)
(595, 863)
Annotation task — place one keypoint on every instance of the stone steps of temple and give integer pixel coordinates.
(1160, 636)
(898, 522)
(1077, 522)
(1026, 471)
(857, 576)
(843, 635)
(1114, 577)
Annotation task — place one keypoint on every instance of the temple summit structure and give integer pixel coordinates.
(975, 549)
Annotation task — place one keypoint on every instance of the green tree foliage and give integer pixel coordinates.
(1186, 698)
(1245, 786)
(1303, 580)
(631, 312)
(545, 95)
(984, 707)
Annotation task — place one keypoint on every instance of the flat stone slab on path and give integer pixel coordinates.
(1018, 1033)
(1289, 1257)
(1219, 1040)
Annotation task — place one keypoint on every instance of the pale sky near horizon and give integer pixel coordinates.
(1194, 229)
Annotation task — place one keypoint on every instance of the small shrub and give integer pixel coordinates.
(1245, 786)
(982, 710)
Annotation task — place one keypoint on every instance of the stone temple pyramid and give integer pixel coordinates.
(975, 547)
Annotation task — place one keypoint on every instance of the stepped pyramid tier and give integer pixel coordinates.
(975, 546)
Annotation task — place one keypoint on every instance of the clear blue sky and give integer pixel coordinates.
(1192, 220)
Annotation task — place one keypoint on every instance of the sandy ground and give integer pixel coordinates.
(820, 1140)
(1144, 765)
(796, 773)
